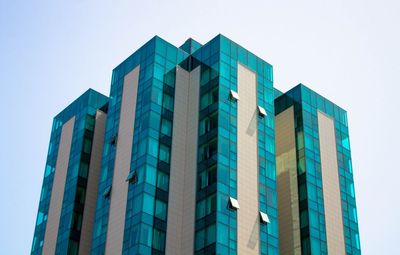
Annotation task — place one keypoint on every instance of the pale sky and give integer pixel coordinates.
(348, 51)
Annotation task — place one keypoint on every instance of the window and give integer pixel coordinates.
(210, 234)
(151, 175)
(80, 195)
(208, 123)
(207, 177)
(107, 192)
(300, 140)
(200, 238)
(209, 98)
(261, 111)
(305, 246)
(158, 240)
(39, 219)
(264, 217)
(153, 147)
(114, 140)
(168, 102)
(303, 219)
(164, 153)
(206, 206)
(211, 204)
(87, 145)
(132, 177)
(208, 150)
(161, 210)
(233, 203)
(77, 221)
(90, 122)
(233, 95)
(73, 247)
(148, 204)
(166, 127)
(83, 169)
(302, 192)
(162, 181)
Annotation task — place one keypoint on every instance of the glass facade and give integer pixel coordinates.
(145, 224)
(306, 104)
(148, 183)
(84, 109)
(216, 224)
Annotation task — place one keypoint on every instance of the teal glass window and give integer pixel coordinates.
(83, 170)
(209, 123)
(201, 209)
(211, 204)
(208, 150)
(315, 246)
(161, 210)
(158, 240)
(164, 153)
(301, 167)
(87, 145)
(209, 98)
(80, 195)
(302, 192)
(148, 204)
(146, 232)
(206, 206)
(73, 248)
(207, 177)
(77, 221)
(223, 234)
(151, 173)
(199, 240)
(303, 218)
(166, 127)
(162, 181)
(168, 102)
(210, 235)
(153, 147)
(305, 246)
(39, 219)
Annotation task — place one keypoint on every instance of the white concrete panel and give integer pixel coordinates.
(331, 185)
(119, 193)
(182, 187)
(288, 200)
(247, 164)
(57, 192)
(92, 186)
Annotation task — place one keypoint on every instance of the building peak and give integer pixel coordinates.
(190, 45)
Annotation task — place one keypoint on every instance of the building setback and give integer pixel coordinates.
(195, 152)
(317, 207)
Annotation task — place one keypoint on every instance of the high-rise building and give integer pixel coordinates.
(181, 159)
(68, 197)
(317, 207)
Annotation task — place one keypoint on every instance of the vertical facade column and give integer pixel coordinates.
(92, 186)
(331, 185)
(182, 183)
(248, 222)
(57, 193)
(288, 199)
(119, 192)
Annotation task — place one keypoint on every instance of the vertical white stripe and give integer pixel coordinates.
(57, 192)
(331, 185)
(92, 186)
(286, 167)
(182, 187)
(247, 164)
(119, 192)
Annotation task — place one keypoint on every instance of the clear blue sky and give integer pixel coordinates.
(348, 51)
